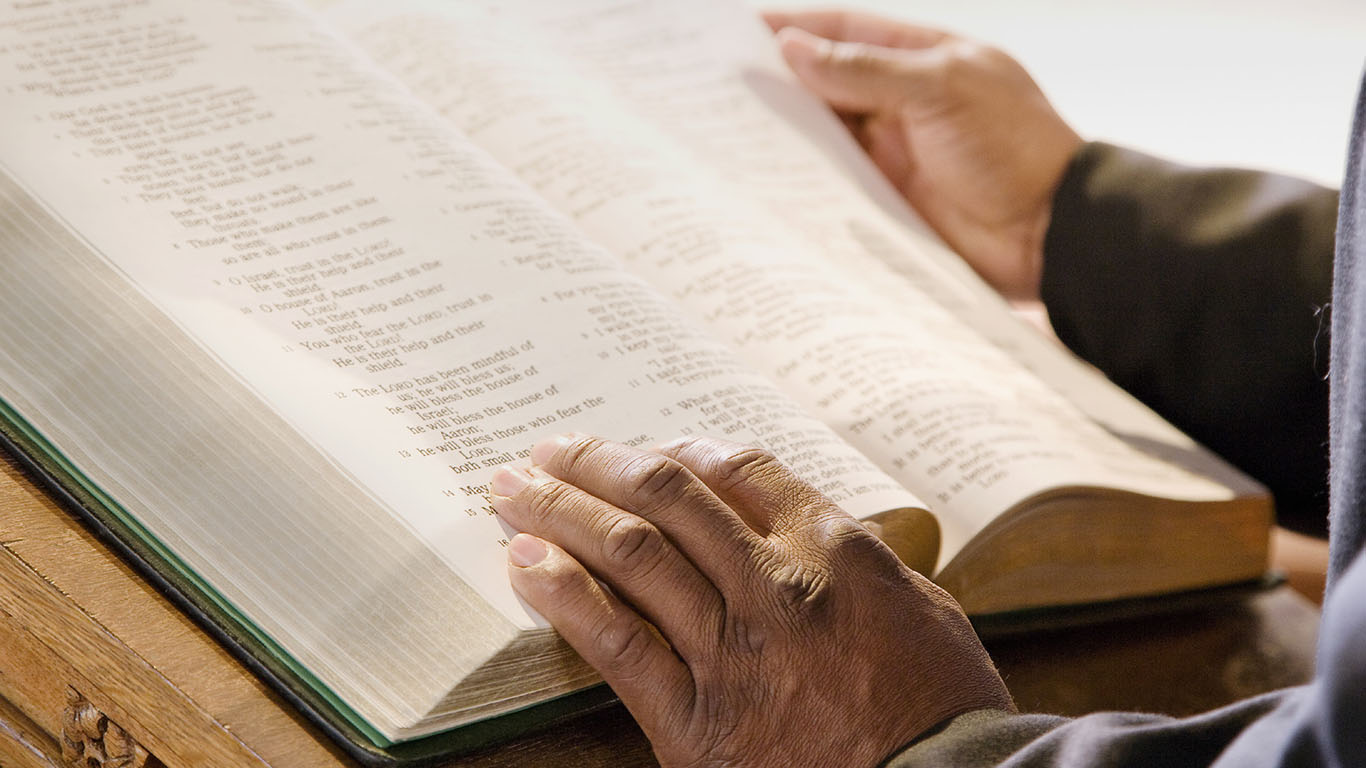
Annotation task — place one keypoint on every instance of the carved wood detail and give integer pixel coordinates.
(91, 740)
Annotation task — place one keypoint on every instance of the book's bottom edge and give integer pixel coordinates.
(1031, 621)
(363, 747)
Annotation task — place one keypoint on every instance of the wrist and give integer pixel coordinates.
(1034, 254)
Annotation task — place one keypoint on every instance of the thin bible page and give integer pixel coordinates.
(413, 308)
(673, 134)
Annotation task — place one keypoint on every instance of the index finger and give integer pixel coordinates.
(855, 27)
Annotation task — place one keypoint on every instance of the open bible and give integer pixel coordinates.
(281, 285)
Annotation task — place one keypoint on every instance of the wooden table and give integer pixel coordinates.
(95, 664)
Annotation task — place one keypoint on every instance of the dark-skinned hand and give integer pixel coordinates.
(749, 621)
(958, 127)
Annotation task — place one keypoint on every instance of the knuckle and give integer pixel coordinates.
(745, 465)
(854, 57)
(550, 497)
(969, 50)
(573, 455)
(803, 586)
(993, 56)
(652, 479)
(748, 637)
(563, 585)
(745, 624)
(966, 59)
(845, 538)
(632, 544)
(622, 644)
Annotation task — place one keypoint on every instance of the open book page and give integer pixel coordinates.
(414, 310)
(664, 130)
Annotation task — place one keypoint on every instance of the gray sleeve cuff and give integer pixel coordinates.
(985, 737)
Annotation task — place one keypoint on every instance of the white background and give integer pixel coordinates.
(1257, 83)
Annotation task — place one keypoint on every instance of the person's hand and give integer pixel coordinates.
(749, 620)
(959, 128)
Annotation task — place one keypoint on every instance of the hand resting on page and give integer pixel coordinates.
(750, 621)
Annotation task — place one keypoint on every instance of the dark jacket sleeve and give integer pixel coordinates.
(1200, 292)
(1203, 293)
(1319, 724)
(1105, 740)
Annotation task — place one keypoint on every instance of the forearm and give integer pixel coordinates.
(1202, 293)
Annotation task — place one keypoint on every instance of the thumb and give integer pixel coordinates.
(852, 77)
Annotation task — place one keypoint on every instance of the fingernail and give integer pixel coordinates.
(543, 451)
(509, 481)
(525, 550)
